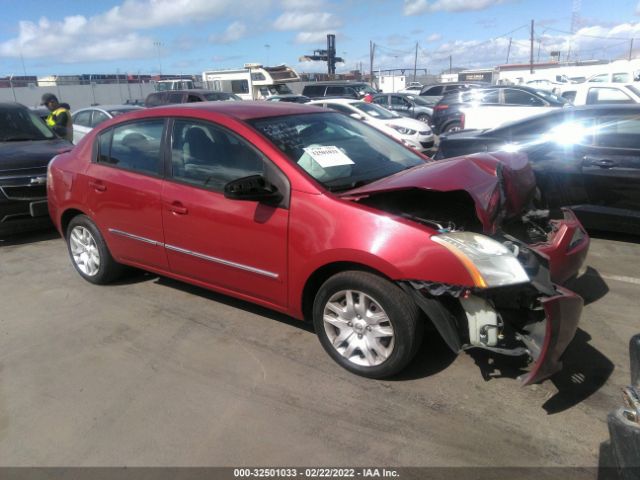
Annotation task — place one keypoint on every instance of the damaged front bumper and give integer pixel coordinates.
(530, 319)
(566, 246)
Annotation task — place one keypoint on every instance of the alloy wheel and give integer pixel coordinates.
(84, 251)
(358, 328)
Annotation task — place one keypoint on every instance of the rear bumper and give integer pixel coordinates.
(566, 248)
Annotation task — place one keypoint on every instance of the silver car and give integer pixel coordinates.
(86, 119)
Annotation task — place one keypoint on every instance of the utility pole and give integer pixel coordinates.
(631, 50)
(372, 51)
(531, 53)
(509, 49)
(415, 63)
(450, 63)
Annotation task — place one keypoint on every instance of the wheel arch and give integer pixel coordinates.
(321, 274)
(66, 217)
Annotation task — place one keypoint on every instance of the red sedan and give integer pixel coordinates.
(317, 215)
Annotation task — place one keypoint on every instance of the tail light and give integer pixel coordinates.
(440, 107)
(462, 121)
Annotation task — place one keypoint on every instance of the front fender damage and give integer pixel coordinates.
(539, 321)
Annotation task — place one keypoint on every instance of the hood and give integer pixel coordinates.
(30, 154)
(409, 123)
(500, 184)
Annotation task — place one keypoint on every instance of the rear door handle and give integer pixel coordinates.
(97, 185)
(178, 208)
(600, 162)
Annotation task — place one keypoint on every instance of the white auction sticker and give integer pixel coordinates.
(328, 156)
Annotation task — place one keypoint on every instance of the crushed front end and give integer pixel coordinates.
(519, 312)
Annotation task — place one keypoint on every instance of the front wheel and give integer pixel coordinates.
(367, 324)
(424, 118)
(89, 253)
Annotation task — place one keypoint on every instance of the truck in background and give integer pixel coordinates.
(253, 82)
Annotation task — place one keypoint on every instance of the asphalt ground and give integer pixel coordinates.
(153, 372)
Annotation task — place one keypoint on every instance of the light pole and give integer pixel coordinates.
(158, 45)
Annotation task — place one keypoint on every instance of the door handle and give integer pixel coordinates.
(600, 162)
(178, 208)
(97, 185)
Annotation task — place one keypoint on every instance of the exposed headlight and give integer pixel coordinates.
(403, 130)
(489, 263)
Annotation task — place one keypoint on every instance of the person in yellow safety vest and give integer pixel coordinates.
(59, 119)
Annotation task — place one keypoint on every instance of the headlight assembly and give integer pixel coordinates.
(403, 130)
(489, 263)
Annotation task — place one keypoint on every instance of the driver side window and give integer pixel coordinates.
(209, 156)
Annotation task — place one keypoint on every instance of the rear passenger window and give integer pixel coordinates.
(82, 119)
(438, 90)
(335, 91)
(598, 95)
(313, 90)
(209, 156)
(133, 146)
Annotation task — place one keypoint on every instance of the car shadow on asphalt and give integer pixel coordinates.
(234, 302)
(590, 286)
(585, 370)
(433, 357)
(31, 237)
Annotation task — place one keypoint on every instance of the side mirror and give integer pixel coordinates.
(253, 188)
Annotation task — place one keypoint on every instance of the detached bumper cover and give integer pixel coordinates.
(566, 248)
(547, 340)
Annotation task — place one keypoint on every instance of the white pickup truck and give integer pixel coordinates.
(599, 93)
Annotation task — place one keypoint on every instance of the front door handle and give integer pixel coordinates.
(178, 208)
(97, 185)
(600, 162)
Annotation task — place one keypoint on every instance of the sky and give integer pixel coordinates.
(39, 37)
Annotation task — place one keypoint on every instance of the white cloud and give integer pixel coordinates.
(311, 21)
(312, 37)
(115, 33)
(419, 7)
(302, 4)
(434, 37)
(234, 32)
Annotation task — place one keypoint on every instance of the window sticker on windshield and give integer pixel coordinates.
(328, 156)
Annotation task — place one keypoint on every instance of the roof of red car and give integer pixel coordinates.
(244, 110)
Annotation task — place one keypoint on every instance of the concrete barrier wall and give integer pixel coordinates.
(79, 96)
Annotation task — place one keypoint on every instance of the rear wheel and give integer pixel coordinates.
(424, 118)
(367, 324)
(452, 127)
(89, 253)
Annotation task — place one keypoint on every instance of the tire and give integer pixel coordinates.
(424, 118)
(379, 335)
(89, 253)
(452, 127)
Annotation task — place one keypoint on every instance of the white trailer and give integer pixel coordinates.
(253, 82)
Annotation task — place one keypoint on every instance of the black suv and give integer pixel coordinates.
(355, 90)
(169, 97)
(26, 147)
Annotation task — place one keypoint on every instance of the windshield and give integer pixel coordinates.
(375, 111)
(634, 89)
(419, 100)
(279, 89)
(20, 124)
(336, 150)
